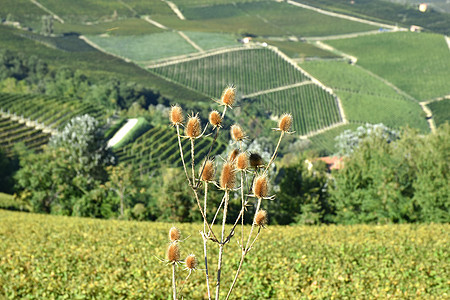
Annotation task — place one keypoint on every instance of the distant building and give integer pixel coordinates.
(415, 28)
(423, 7)
(245, 40)
(332, 162)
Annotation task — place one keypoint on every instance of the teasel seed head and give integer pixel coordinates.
(260, 187)
(233, 154)
(228, 96)
(256, 160)
(215, 118)
(193, 128)
(237, 134)
(176, 115)
(228, 176)
(191, 262)
(174, 234)
(242, 161)
(261, 218)
(208, 171)
(173, 253)
(285, 123)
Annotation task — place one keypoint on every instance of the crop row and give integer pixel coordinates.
(51, 111)
(251, 70)
(312, 107)
(49, 257)
(160, 146)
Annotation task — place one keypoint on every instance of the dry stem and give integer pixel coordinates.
(174, 284)
(219, 266)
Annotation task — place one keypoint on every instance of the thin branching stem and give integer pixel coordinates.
(217, 211)
(205, 250)
(242, 209)
(275, 152)
(181, 154)
(174, 283)
(219, 266)
(193, 162)
(214, 238)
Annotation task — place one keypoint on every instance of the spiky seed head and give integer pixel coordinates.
(215, 118)
(191, 262)
(242, 161)
(228, 176)
(176, 115)
(173, 253)
(233, 154)
(228, 96)
(193, 128)
(261, 218)
(285, 122)
(208, 171)
(256, 160)
(260, 186)
(237, 133)
(174, 234)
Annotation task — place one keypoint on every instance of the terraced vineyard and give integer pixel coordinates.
(51, 112)
(160, 145)
(325, 142)
(251, 70)
(13, 132)
(441, 111)
(312, 107)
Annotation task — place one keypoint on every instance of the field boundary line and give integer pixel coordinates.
(313, 79)
(175, 9)
(322, 45)
(281, 88)
(343, 36)
(347, 17)
(122, 132)
(322, 130)
(191, 42)
(97, 47)
(447, 39)
(28, 122)
(129, 7)
(194, 56)
(429, 115)
(60, 20)
(154, 23)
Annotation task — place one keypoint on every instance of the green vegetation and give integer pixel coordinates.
(144, 48)
(299, 49)
(209, 41)
(441, 111)
(158, 146)
(325, 143)
(312, 107)
(116, 259)
(416, 63)
(251, 70)
(141, 127)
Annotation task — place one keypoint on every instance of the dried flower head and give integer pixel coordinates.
(256, 160)
(208, 171)
(285, 123)
(242, 161)
(260, 186)
(191, 262)
(228, 176)
(174, 234)
(176, 115)
(237, 133)
(193, 128)
(261, 218)
(173, 253)
(228, 96)
(233, 154)
(215, 118)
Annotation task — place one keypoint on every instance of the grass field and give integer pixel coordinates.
(251, 70)
(299, 49)
(441, 111)
(366, 98)
(47, 256)
(144, 48)
(208, 41)
(325, 142)
(418, 64)
(263, 18)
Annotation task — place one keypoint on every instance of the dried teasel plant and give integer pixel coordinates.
(242, 173)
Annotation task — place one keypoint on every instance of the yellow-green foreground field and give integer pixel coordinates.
(45, 256)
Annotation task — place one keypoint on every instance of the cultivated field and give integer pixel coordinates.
(418, 64)
(441, 111)
(46, 256)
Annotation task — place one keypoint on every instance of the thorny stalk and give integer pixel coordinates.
(181, 154)
(219, 266)
(275, 152)
(174, 283)
(205, 241)
(193, 162)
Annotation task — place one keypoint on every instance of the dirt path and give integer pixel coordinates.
(175, 9)
(60, 20)
(281, 88)
(129, 7)
(317, 132)
(429, 115)
(343, 36)
(154, 23)
(122, 132)
(29, 123)
(352, 59)
(447, 39)
(187, 39)
(342, 16)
